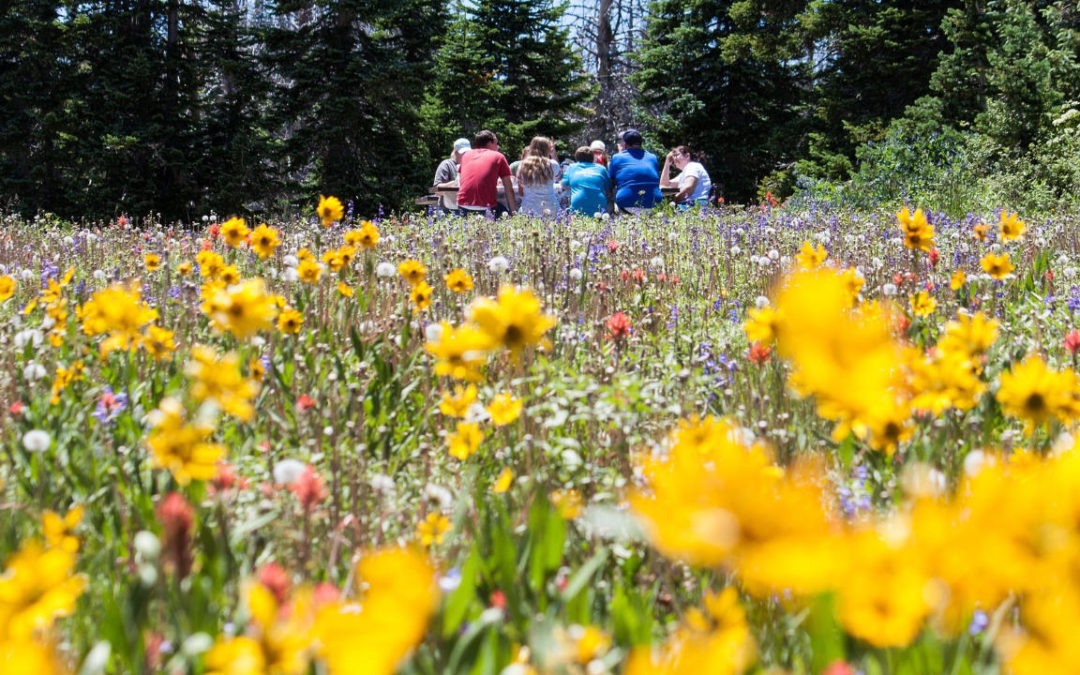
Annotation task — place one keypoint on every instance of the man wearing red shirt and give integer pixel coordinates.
(481, 170)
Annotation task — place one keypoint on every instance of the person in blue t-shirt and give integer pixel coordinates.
(589, 183)
(636, 175)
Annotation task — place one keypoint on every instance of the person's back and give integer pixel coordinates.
(636, 175)
(537, 178)
(589, 184)
(479, 174)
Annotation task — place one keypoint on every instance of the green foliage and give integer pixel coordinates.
(721, 85)
(507, 65)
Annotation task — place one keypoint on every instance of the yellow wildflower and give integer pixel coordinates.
(854, 282)
(918, 234)
(809, 258)
(997, 266)
(64, 377)
(229, 275)
(567, 502)
(279, 639)
(412, 271)
(432, 530)
(185, 268)
(1034, 393)
(373, 634)
(590, 643)
(309, 271)
(504, 409)
(234, 231)
(242, 309)
(7, 287)
(333, 260)
(367, 236)
(514, 321)
(464, 441)
(957, 280)
(922, 303)
(184, 449)
(330, 210)
(460, 351)
(717, 642)
(210, 264)
(885, 615)
(762, 326)
(118, 312)
(290, 321)
(503, 482)
(158, 342)
(420, 296)
(458, 403)
(981, 230)
(38, 586)
(218, 378)
(458, 281)
(345, 289)
(1011, 226)
(152, 261)
(264, 240)
(57, 529)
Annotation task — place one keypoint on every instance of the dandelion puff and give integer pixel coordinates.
(433, 332)
(385, 270)
(382, 484)
(33, 371)
(498, 264)
(288, 471)
(575, 274)
(439, 494)
(36, 440)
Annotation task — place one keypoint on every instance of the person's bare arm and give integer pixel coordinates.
(511, 198)
(689, 183)
(665, 173)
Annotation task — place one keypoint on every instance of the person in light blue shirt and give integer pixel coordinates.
(589, 184)
(636, 175)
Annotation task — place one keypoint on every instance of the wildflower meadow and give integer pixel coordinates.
(774, 439)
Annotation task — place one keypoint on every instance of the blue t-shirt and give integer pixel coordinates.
(588, 184)
(634, 172)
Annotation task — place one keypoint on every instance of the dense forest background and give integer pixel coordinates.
(186, 107)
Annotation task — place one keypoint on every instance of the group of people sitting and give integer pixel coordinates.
(538, 184)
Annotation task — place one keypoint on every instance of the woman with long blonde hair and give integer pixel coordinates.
(536, 179)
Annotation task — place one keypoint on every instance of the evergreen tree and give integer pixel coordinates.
(722, 86)
(237, 169)
(507, 65)
(1010, 65)
(350, 87)
(34, 79)
(872, 60)
(133, 113)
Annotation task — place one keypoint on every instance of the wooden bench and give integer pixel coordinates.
(426, 200)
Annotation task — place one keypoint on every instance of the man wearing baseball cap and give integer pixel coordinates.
(636, 175)
(447, 173)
